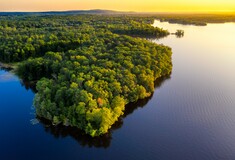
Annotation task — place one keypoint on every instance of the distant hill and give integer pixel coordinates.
(73, 12)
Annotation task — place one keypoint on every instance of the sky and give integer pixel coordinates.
(120, 5)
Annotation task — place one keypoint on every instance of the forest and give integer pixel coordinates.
(87, 67)
(201, 19)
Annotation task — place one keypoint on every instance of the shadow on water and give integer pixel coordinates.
(131, 107)
(29, 85)
(179, 36)
(104, 141)
(83, 139)
(26, 84)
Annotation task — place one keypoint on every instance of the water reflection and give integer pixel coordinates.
(179, 35)
(6, 76)
(29, 85)
(131, 107)
(83, 139)
(104, 141)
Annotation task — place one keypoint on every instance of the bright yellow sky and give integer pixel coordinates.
(121, 5)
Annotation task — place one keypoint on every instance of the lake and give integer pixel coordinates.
(191, 115)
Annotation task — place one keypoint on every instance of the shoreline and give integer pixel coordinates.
(6, 66)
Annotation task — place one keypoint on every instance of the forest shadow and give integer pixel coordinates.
(29, 85)
(104, 141)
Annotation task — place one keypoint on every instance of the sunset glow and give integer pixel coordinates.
(120, 5)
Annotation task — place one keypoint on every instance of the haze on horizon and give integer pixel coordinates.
(120, 5)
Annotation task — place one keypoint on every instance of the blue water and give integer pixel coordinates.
(191, 115)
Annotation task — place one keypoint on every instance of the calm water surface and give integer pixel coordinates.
(191, 115)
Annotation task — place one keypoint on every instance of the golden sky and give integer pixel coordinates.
(120, 5)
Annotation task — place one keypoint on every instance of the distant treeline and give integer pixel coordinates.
(196, 19)
(22, 37)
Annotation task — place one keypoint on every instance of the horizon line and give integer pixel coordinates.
(128, 11)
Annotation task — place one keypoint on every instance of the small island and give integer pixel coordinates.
(179, 33)
(87, 67)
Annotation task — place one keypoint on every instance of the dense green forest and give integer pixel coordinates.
(87, 67)
(195, 19)
(22, 37)
(198, 19)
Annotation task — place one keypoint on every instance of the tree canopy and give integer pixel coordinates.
(87, 67)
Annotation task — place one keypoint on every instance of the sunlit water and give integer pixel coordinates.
(191, 115)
